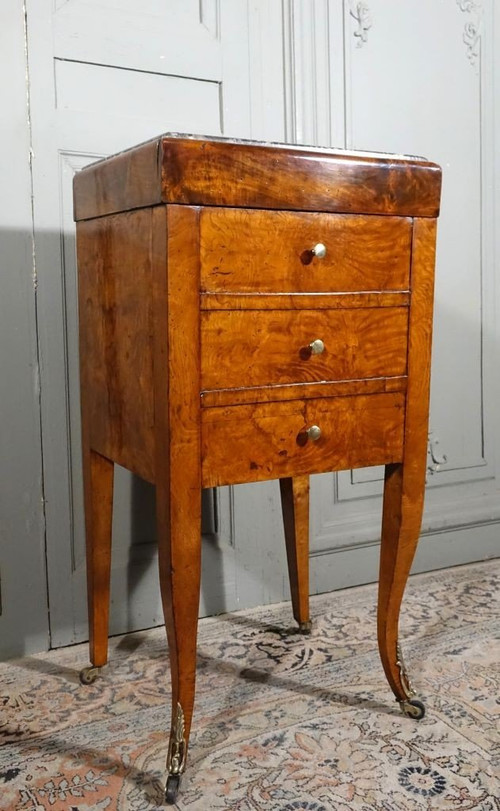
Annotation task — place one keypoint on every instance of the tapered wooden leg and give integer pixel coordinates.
(402, 515)
(98, 490)
(178, 460)
(295, 507)
(179, 538)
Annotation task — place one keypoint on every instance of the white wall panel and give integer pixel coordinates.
(419, 80)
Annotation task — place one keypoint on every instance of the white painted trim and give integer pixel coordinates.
(352, 567)
(309, 78)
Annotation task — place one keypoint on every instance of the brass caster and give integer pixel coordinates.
(413, 708)
(89, 674)
(305, 627)
(172, 788)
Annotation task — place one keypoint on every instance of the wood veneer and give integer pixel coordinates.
(199, 294)
(253, 251)
(270, 347)
(250, 443)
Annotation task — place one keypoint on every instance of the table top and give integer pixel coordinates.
(195, 170)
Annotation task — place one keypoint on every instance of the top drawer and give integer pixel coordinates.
(253, 251)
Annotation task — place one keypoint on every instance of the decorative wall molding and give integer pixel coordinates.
(307, 50)
(224, 516)
(472, 28)
(210, 16)
(468, 5)
(435, 456)
(360, 12)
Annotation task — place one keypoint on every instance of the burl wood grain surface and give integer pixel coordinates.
(249, 443)
(254, 175)
(175, 169)
(270, 251)
(268, 347)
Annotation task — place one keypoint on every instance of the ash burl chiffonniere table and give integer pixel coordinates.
(248, 312)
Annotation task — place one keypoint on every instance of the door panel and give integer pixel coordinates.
(105, 76)
(170, 37)
(112, 91)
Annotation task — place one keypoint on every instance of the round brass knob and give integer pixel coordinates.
(317, 347)
(319, 250)
(314, 432)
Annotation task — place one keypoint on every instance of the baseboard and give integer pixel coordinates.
(337, 569)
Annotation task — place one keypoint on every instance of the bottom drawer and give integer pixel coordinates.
(249, 443)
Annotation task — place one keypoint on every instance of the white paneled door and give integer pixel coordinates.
(104, 76)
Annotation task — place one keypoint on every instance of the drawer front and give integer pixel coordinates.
(270, 347)
(253, 251)
(269, 441)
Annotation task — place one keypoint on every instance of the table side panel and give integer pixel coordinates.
(123, 182)
(183, 306)
(115, 270)
(419, 362)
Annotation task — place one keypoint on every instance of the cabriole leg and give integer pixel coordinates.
(402, 512)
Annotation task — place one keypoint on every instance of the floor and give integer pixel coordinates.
(282, 722)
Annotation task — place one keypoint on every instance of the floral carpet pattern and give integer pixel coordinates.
(282, 722)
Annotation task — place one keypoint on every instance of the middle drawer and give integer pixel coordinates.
(241, 348)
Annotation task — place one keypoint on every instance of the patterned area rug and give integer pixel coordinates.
(282, 722)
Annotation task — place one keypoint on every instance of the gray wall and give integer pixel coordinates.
(24, 617)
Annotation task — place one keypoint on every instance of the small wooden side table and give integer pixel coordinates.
(248, 312)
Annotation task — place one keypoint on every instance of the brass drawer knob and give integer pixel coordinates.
(317, 347)
(314, 432)
(319, 250)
